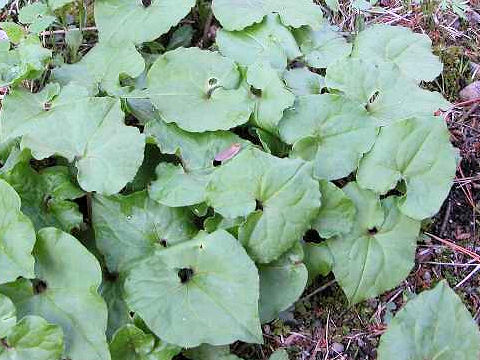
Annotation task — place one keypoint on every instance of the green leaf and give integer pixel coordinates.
(200, 291)
(183, 36)
(115, 19)
(131, 343)
(318, 259)
(280, 354)
(58, 4)
(281, 283)
(323, 47)
(68, 295)
(409, 51)
(209, 352)
(272, 99)
(37, 15)
(8, 315)
(47, 196)
(284, 188)
(129, 228)
(17, 237)
(26, 61)
(271, 143)
(236, 15)
(14, 31)
(268, 41)
(112, 292)
(330, 131)
(337, 213)
(417, 151)
(201, 95)
(100, 69)
(434, 325)
(386, 94)
(87, 131)
(333, 5)
(302, 81)
(381, 239)
(33, 338)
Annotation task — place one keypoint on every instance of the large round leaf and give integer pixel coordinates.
(284, 192)
(381, 239)
(330, 131)
(17, 237)
(65, 294)
(302, 81)
(434, 325)
(201, 95)
(418, 151)
(238, 14)
(200, 291)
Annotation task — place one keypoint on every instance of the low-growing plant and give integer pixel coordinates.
(281, 153)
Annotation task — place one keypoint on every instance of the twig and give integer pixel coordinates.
(320, 289)
(456, 247)
(446, 217)
(63, 31)
(326, 336)
(468, 277)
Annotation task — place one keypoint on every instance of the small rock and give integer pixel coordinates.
(3, 36)
(338, 348)
(471, 91)
(427, 276)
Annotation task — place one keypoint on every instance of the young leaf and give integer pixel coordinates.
(272, 99)
(337, 213)
(33, 338)
(382, 90)
(283, 191)
(130, 228)
(200, 291)
(323, 47)
(116, 19)
(268, 41)
(85, 130)
(409, 51)
(236, 15)
(17, 237)
(381, 239)
(281, 283)
(418, 151)
(302, 81)
(209, 352)
(131, 343)
(199, 96)
(46, 196)
(8, 315)
(15, 32)
(318, 259)
(330, 131)
(434, 325)
(100, 69)
(65, 293)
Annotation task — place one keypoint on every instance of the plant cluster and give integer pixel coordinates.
(188, 226)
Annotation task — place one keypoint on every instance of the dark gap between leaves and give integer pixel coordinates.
(312, 236)
(39, 286)
(185, 275)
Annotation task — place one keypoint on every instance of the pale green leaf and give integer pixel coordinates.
(284, 188)
(37, 15)
(302, 81)
(124, 21)
(209, 352)
(381, 239)
(8, 315)
(17, 237)
(271, 143)
(280, 354)
(46, 196)
(332, 5)
(281, 283)
(411, 52)
(200, 291)
(201, 95)
(382, 90)
(68, 297)
(25, 61)
(272, 99)
(129, 228)
(434, 325)
(14, 31)
(417, 151)
(101, 70)
(337, 212)
(57, 4)
(330, 131)
(131, 343)
(33, 338)
(87, 131)
(318, 259)
(238, 14)
(268, 41)
(182, 36)
(323, 47)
